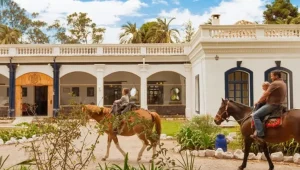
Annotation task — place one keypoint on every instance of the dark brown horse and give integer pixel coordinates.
(289, 129)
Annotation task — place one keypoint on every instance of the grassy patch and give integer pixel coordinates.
(171, 127)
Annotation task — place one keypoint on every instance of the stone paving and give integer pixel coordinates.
(132, 145)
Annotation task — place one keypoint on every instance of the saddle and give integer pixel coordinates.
(126, 108)
(274, 119)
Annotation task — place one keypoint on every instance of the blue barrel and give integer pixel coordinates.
(221, 142)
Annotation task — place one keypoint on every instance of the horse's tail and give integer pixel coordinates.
(157, 124)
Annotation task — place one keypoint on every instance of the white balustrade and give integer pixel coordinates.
(4, 51)
(34, 51)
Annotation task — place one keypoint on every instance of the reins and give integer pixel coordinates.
(241, 121)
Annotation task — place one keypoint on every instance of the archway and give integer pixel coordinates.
(166, 92)
(34, 88)
(78, 88)
(115, 82)
(4, 95)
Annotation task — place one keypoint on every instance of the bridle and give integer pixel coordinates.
(224, 112)
(220, 117)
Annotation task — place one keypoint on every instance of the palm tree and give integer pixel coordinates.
(161, 32)
(131, 34)
(8, 35)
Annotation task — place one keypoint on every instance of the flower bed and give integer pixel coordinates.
(238, 154)
(26, 133)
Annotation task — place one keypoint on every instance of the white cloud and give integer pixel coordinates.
(231, 12)
(104, 13)
(159, 2)
(176, 2)
(111, 35)
(101, 12)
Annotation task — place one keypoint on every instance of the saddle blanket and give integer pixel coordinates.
(270, 123)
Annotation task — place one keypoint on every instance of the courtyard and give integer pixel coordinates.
(132, 145)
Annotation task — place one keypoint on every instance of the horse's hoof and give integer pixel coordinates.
(271, 168)
(103, 159)
(138, 159)
(151, 161)
(241, 168)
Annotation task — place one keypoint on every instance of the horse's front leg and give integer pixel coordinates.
(267, 155)
(116, 141)
(109, 139)
(248, 142)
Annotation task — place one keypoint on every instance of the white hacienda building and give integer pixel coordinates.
(229, 61)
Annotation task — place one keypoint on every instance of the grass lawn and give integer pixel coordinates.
(171, 127)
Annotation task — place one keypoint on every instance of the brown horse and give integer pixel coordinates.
(289, 129)
(101, 113)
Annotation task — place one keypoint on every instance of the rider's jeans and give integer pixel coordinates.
(260, 114)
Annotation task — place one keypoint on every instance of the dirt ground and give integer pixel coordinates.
(132, 145)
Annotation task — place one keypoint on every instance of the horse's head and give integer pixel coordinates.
(92, 111)
(223, 112)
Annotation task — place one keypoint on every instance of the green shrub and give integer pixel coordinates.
(28, 132)
(199, 133)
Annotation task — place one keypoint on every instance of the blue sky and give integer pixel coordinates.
(112, 14)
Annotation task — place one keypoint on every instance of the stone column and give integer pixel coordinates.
(12, 91)
(143, 89)
(188, 91)
(100, 85)
(56, 68)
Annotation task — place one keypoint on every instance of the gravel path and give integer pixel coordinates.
(132, 145)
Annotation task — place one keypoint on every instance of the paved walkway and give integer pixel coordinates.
(132, 145)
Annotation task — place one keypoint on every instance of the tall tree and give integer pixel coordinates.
(81, 27)
(60, 33)
(34, 32)
(9, 35)
(189, 31)
(281, 12)
(18, 18)
(145, 29)
(131, 34)
(162, 33)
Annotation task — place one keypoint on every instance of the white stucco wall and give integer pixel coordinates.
(215, 80)
(4, 84)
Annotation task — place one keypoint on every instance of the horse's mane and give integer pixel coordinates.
(241, 105)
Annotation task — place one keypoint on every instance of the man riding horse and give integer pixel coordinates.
(274, 97)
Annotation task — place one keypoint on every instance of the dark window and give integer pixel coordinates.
(112, 92)
(155, 92)
(238, 86)
(75, 91)
(90, 92)
(24, 91)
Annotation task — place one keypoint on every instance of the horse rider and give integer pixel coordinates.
(120, 104)
(265, 87)
(274, 97)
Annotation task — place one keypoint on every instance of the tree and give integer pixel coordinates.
(82, 26)
(162, 33)
(145, 29)
(18, 18)
(131, 34)
(281, 12)
(208, 22)
(60, 33)
(9, 35)
(35, 33)
(189, 31)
